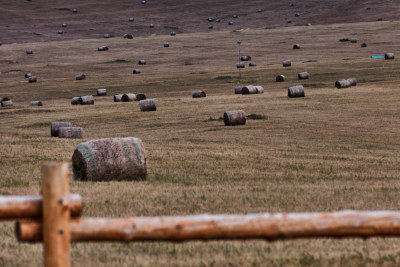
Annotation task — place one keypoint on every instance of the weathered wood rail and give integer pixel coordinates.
(51, 221)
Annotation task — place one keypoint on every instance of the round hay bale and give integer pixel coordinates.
(166, 44)
(106, 35)
(240, 65)
(303, 75)
(259, 11)
(128, 97)
(140, 97)
(29, 51)
(210, 27)
(70, 132)
(74, 10)
(245, 58)
(102, 92)
(297, 15)
(198, 93)
(27, 75)
(142, 62)
(353, 81)
(249, 89)
(235, 16)
(136, 71)
(260, 89)
(4, 99)
(238, 89)
(234, 117)
(76, 100)
(60, 32)
(210, 19)
(389, 56)
(368, 8)
(143, 2)
(252, 64)
(380, 19)
(230, 22)
(296, 46)
(353, 40)
(287, 63)
(291, 5)
(56, 125)
(308, 24)
(363, 45)
(217, 20)
(102, 48)
(32, 79)
(6, 103)
(173, 33)
(87, 100)
(36, 103)
(151, 25)
(131, 19)
(64, 25)
(80, 77)
(118, 98)
(289, 21)
(147, 105)
(128, 36)
(280, 78)
(342, 83)
(110, 159)
(296, 91)
(1, 43)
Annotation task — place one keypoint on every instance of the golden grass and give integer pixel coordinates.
(332, 150)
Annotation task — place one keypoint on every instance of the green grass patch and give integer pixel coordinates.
(242, 81)
(188, 62)
(311, 60)
(64, 9)
(344, 40)
(15, 182)
(171, 27)
(214, 119)
(226, 77)
(118, 61)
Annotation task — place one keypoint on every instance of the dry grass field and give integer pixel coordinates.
(332, 150)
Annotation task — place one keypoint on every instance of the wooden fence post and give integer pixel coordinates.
(56, 215)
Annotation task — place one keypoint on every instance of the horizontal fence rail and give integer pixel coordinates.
(270, 226)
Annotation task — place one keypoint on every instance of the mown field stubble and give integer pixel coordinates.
(332, 150)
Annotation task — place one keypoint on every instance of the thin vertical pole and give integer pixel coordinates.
(240, 69)
(56, 215)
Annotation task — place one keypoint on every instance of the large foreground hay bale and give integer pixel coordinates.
(240, 65)
(6, 103)
(238, 89)
(128, 97)
(36, 103)
(76, 100)
(118, 98)
(342, 83)
(102, 92)
(287, 63)
(389, 56)
(147, 105)
(56, 125)
(280, 78)
(80, 77)
(87, 100)
(140, 97)
(110, 159)
(198, 93)
(234, 117)
(303, 75)
(32, 79)
(296, 91)
(70, 132)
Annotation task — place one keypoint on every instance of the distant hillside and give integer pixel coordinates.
(40, 20)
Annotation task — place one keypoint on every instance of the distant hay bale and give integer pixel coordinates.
(217, 20)
(303, 75)
(140, 97)
(287, 63)
(1, 43)
(249, 89)
(70, 132)
(245, 58)
(291, 5)
(342, 83)
(353, 81)
(60, 32)
(210, 27)
(118, 98)
(151, 25)
(234, 117)
(143, 2)
(110, 159)
(102, 92)
(353, 40)
(230, 22)
(389, 56)
(131, 19)
(80, 77)
(32, 79)
(280, 78)
(172, 33)
(102, 48)
(240, 65)
(64, 25)
(166, 44)
(36, 103)
(289, 21)
(368, 8)
(198, 93)
(6, 103)
(210, 19)
(4, 99)
(106, 35)
(147, 105)
(76, 100)
(56, 125)
(297, 15)
(296, 46)
(128, 97)
(27, 75)
(136, 71)
(142, 62)
(29, 51)
(87, 100)
(252, 64)
(260, 89)
(259, 11)
(235, 16)
(296, 91)
(380, 19)
(363, 45)
(74, 10)
(308, 24)
(128, 36)
(238, 89)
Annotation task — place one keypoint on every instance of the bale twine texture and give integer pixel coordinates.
(303, 75)
(36, 103)
(296, 91)
(76, 100)
(102, 92)
(234, 117)
(252, 64)
(136, 71)
(32, 79)
(70, 132)
(87, 100)
(287, 63)
(238, 89)
(110, 159)
(142, 62)
(198, 93)
(118, 98)
(56, 125)
(6, 103)
(296, 46)
(147, 105)
(128, 97)
(280, 78)
(389, 56)
(80, 77)
(240, 65)
(140, 97)
(245, 58)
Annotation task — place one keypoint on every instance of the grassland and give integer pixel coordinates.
(332, 150)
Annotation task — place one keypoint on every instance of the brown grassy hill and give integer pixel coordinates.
(40, 20)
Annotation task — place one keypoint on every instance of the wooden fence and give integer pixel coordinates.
(53, 220)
